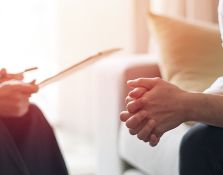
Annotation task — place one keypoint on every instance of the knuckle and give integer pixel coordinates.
(151, 124)
(128, 99)
(158, 132)
(136, 120)
(147, 126)
(123, 115)
(141, 80)
(143, 101)
(129, 125)
(132, 132)
(129, 107)
(139, 136)
(147, 139)
(141, 115)
(152, 145)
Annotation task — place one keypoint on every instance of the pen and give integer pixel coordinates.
(28, 70)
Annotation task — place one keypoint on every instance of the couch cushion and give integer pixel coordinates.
(134, 172)
(160, 160)
(190, 52)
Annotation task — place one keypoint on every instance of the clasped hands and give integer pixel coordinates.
(14, 98)
(154, 107)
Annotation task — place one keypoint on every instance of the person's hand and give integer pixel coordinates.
(14, 99)
(149, 123)
(150, 114)
(4, 76)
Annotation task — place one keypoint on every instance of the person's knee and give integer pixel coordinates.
(37, 117)
(195, 140)
(33, 107)
(200, 149)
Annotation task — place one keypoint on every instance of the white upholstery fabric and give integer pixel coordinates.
(161, 160)
(216, 87)
(110, 90)
(133, 172)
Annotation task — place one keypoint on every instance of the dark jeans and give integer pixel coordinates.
(28, 146)
(201, 151)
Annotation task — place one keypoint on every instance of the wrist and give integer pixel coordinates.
(194, 106)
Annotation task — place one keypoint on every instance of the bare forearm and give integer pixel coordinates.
(205, 108)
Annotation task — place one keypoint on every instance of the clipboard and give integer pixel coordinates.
(76, 67)
(66, 72)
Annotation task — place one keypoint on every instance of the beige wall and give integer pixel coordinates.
(203, 11)
(170, 7)
(141, 29)
(85, 27)
(194, 9)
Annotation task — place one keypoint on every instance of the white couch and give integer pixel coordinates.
(118, 152)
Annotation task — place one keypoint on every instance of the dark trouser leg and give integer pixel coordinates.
(201, 151)
(11, 162)
(36, 143)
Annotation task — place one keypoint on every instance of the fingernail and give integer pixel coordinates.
(33, 82)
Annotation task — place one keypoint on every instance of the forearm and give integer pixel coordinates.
(205, 108)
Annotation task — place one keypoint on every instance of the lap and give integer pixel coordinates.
(202, 151)
(203, 136)
(33, 139)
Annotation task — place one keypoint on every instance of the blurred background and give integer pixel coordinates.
(53, 34)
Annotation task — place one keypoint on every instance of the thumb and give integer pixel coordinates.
(3, 72)
(147, 83)
(33, 82)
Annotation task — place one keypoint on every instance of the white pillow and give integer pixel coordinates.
(190, 52)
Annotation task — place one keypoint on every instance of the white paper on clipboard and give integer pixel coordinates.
(76, 67)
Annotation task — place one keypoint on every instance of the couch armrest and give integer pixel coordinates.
(110, 89)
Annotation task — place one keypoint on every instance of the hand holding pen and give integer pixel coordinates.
(15, 94)
(5, 76)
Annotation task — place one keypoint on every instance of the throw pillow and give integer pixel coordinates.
(191, 55)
